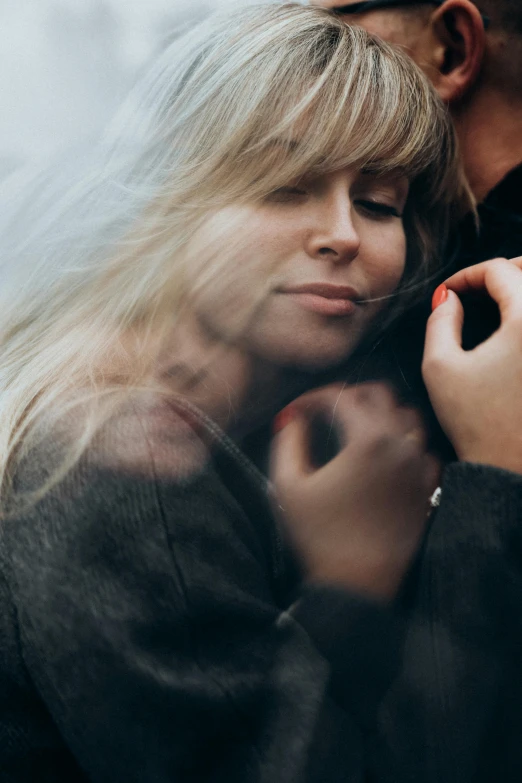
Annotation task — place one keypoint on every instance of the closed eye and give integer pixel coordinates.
(377, 209)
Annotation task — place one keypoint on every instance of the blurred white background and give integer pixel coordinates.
(65, 66)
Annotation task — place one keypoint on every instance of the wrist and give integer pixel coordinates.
(376, 580)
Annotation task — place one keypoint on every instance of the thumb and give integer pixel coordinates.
(444, 331)
(290, 452)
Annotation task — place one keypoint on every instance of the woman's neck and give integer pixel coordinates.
(238, 391)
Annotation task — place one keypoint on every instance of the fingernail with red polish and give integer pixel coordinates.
(439, 297)
(283, 418)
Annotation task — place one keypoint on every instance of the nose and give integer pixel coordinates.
(334, 236)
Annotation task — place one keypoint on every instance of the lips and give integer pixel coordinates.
(325, 298)
(327, 290)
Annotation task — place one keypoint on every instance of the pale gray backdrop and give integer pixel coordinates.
(66, 64)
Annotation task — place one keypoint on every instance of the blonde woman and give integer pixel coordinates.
(282, 185)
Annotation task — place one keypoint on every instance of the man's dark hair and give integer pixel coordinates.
(504, 69)
(506, 14)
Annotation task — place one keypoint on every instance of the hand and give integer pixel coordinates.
(477, 395)
(357, 520)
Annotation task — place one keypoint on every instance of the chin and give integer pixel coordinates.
(317, 365)
(304, 359)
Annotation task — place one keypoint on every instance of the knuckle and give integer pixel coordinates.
(362, 392)
(413, 417)
(325, 398)
(437, 315)
(380, 440)
(497, 266)
(376, 393)
(494, 264)
(432, 470)
(433, 363)
(515, 324)
(413, 427)
(412, 447)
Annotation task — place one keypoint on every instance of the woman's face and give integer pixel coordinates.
(308, 269)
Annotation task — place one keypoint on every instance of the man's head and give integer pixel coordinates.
(454, 41)
(449, 39)
(472, 53)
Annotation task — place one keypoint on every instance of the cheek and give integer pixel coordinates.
(234, 249)
(275, 236)
(388, 262)
(233, 284)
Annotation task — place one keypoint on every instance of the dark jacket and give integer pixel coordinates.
(145, 632)
(455, 712)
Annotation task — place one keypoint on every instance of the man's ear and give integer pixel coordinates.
(459, 29)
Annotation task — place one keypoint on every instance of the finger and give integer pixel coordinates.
(341, 416)
(443, 332)
(481, 276)
(290, 452)
(323, 399)
(376, 394)
(360, 408)
(503, 282)
(432, 473)
(325, 429)
(330, 397)
(372, 416)
(471, 278)
(336, 405)
(412, 427)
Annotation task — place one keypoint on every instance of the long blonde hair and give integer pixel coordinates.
(212, 124)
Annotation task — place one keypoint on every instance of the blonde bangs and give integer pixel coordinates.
(304, 93)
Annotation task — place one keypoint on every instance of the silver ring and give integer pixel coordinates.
(435, 498)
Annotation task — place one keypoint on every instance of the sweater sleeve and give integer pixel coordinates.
(149, 627)
(454, 712)
(473, 556)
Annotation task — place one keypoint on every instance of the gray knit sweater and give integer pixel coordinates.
(145, 633)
